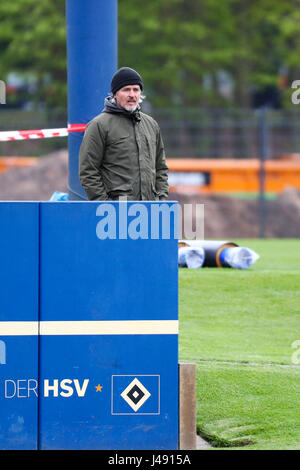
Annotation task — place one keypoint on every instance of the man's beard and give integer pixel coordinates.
(130, 109)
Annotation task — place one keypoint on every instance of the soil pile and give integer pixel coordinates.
(227, 217)
(38, 181)
(224, 217)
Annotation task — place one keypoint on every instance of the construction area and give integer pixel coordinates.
(226, 215)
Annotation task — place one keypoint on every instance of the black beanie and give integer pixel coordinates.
(125, 76)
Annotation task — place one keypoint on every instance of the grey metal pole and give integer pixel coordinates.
(92, 60)
(263, 154)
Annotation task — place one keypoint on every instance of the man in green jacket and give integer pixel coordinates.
(122, 153)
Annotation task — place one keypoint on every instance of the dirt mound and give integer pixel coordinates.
(224, 217)
(227, 217)
(283, 215)
(38, 181)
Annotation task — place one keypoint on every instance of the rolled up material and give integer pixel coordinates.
(190, 257)
(212, 250)
(239, 257)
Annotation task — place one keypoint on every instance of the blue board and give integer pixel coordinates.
(109, 343)
(19, 242)
(88, 326)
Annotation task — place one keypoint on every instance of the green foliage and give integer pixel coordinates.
(182, 46)
(194, 53)
(33, 43)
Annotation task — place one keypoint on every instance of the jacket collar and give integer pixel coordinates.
(112, 108)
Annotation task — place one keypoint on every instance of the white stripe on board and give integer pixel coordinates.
(125, 327)
(19, 328)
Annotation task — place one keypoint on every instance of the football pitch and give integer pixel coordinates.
(242, 330)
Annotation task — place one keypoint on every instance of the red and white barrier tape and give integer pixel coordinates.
(41, 133)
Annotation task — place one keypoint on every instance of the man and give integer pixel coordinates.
(122, 152)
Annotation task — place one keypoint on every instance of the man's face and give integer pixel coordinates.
(128, 97)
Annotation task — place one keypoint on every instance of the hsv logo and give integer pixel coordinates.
(135, 394)
(64, 388)
(27, 388)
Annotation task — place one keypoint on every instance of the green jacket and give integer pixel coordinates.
(122, 154)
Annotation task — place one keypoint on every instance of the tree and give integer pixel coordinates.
(33, 43)
(183, 46)
(183, 49)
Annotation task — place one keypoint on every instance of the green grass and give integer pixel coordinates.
(270, 195)
(238, 326)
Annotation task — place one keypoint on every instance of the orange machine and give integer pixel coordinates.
(214, 175)
(232, 175)
(11, 162)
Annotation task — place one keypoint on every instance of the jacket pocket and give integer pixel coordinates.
(155, 194)
(151, 148)
(117, 138)
(120, 190)
(119, 144)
